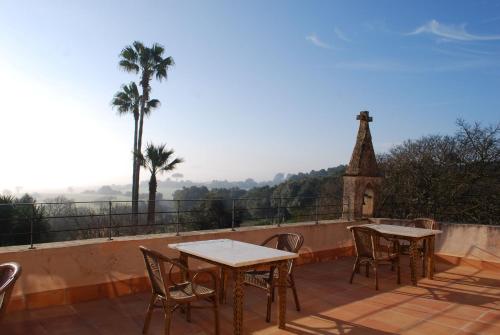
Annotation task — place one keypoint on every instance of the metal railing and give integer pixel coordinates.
(34, 223)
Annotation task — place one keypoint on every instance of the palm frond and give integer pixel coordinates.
(138, 47)
(129, 54)
(153, 104)
(127, 100)
(129, 66)
(162, 67)
(172, 165)
(157, 158)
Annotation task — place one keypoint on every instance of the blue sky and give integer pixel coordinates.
(259, 87)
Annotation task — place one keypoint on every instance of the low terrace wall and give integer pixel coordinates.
(68, 272)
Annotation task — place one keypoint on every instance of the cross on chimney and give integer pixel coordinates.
(364, 116)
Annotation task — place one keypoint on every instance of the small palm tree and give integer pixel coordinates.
(147, 62)
(158, 159)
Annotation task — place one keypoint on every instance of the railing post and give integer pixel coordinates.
(178, 217)
(316, 209)
(232, 218)
(32, 222)
(279, 212)
(110, 223)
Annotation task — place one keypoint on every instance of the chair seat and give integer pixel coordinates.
(258, 278)
(185, 291)
(382, 256)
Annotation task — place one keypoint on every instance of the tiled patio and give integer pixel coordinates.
(460, 300)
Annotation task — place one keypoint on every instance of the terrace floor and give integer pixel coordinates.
(460, 300)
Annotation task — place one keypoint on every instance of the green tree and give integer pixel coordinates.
(16, 218)
(158, 159)
(148, 62)
(452, 178)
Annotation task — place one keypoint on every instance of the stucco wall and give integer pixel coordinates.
(69, 272)
(470, 241)
(65, 265)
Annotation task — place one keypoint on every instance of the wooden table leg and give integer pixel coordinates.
(183, 259)
(413, 261)
(222, 287)
(283, 273)
(238, 293)
(430, 257)
(424, 257)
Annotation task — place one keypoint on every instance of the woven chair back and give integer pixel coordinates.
(290, 242)
(364, 241)
(154, 266)
(425, 223)
(9, 273)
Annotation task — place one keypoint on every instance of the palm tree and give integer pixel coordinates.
(157, 160)
(147, 62)
(126, 101)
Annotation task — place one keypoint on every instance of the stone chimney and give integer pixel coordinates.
(362, 179)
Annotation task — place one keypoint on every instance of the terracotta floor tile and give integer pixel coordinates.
(461, 300)
(482, 328)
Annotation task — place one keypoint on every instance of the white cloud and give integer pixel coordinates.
(451, 32)
(340, 34)
(314, 39)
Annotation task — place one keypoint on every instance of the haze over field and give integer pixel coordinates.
(258, 88)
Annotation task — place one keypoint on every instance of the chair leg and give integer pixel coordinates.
(188, 312)
(294, 290)
(422, 255)
(149, 313)
(272, 293)
(376, 275)
(398, 270)
(355, 267)
(168, 317)
(216, 315)
(269, 303)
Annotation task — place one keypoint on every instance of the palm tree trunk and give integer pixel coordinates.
(134, 162)
(152, 199)
(144, 98)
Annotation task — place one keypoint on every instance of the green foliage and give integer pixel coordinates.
(16, 217)
(292, 200)
(452, 178)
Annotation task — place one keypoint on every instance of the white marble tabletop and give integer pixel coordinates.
(232, 253)
(400, 230)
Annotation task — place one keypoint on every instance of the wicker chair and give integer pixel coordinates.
(268, 279)
(370, 252)
(9, 273)
(170, 294)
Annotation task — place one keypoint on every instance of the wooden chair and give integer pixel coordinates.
(268, 279)
(9, 274)
(169, 294)
(370, 253)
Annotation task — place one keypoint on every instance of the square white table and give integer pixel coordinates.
(239, 257)
(413, 235)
